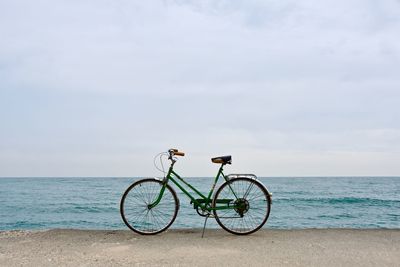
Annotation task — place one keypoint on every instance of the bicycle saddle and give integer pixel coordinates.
(223, 160)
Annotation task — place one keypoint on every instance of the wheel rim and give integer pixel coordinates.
(136, 212)
(250, 206)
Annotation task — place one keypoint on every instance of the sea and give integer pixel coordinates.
(297, 203)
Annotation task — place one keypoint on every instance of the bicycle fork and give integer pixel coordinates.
(155, 203)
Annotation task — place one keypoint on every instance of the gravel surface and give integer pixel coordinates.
(313, 247)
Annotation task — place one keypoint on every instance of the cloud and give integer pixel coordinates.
(102, 81)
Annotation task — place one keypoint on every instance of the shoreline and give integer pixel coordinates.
(273, 247)
(195, 229)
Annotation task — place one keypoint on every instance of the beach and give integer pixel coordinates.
(309, 247)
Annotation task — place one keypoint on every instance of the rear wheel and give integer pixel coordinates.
(137, 214)
(246, 206)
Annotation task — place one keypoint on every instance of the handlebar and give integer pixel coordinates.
(175, 152)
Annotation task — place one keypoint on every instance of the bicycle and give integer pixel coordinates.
(241, 205)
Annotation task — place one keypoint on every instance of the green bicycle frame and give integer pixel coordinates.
(204, 201)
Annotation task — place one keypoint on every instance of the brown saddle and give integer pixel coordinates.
(222, 160)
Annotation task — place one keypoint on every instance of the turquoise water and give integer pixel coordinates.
(93, 203)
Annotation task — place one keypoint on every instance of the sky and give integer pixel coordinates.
(288, 88)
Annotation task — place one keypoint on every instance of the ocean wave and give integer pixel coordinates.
(341, 200)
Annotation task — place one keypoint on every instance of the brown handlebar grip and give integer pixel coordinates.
(179, 154)
(174, 150)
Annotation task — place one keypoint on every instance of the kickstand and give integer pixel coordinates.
(204, 227)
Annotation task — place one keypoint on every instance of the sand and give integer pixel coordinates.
(330, 247)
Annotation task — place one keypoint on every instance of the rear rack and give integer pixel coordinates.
(241, 175)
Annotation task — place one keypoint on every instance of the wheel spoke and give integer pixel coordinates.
(250, 209)
(136, 213)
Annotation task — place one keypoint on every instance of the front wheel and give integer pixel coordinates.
(136, 211)
(242, 206)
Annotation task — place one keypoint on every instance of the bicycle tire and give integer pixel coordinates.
(243, 220)
(141, 193)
